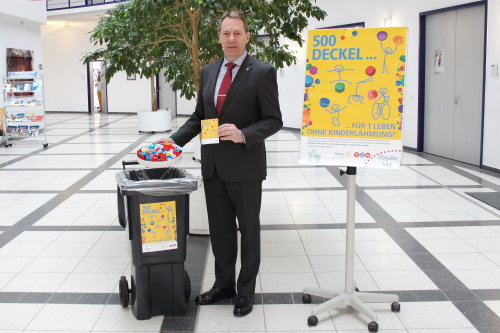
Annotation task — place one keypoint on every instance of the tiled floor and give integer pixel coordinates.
(418, 234)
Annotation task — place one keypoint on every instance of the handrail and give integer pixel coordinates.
(66, 4)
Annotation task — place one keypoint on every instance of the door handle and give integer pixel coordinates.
(456, 99)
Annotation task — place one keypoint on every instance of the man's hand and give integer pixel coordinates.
(229, 132)
(165, 139)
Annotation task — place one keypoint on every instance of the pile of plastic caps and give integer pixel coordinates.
(159, 152)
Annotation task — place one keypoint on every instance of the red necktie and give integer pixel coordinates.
(224, 86)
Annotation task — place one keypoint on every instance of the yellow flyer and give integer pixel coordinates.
(209, 131)
(158, 226)
(354, 98)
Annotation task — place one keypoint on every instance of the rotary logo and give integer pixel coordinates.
(361, 155)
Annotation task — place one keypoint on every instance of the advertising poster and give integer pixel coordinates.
(354, 98)
(19, 60)
(158, 226)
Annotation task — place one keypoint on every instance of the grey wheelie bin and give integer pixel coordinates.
(153, 205)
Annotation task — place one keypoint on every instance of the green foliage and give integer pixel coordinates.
(145, 36)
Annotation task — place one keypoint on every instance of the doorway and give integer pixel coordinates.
(454, 83)
(98, 101)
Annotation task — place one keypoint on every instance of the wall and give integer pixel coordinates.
(185, 107)
(19, 36)
(403, 13)
(291, 79)
(27, 10)
(66, 75)
(373, 13)
(128, 95)
(491, 143)
(167, 96)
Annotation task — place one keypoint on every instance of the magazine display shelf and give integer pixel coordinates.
(24, 116)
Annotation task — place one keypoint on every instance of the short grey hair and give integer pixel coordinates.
(237, 15)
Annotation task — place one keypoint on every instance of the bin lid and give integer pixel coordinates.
(156, 182)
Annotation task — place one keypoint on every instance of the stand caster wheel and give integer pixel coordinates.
(356, 289)
(124, 291)
(187, 286)
(373, 327)
(306, 299)
(395, 307)
(45, 145)
(312, 321)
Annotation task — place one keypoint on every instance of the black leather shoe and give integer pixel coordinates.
(213, 295)
(243, 305)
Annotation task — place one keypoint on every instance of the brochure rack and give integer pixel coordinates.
(24, 116)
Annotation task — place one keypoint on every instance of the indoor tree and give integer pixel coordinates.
(180, 36)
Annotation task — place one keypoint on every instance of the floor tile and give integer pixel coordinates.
(432, 315)
(90, 283)
(74, 317)
(387, 262)
(17, 316)
(285, 264)
(78, 250)
(13, 264)
(293, 318)
(5, 278)
(116, 318)
(494, 305)
(23, 249)
(35, 282)
(465, 261)
(279, 236)
(479, 278)
(336, 281)
(345, 318)
(286, 282)
(219, 318)
(52, 265)
(402, 280)
(281, 249)
(333, 263)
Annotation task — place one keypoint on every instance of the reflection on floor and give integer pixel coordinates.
(418, 234)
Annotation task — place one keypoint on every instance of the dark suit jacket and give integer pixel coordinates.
(252, 105)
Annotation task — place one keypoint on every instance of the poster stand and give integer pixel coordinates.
(350, 296)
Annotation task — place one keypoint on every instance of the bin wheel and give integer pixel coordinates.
(124, 291)
(395, 307)
(373, 326)
(312, 321)
(187, 286)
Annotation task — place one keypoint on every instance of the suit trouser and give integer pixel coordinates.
(225, 202)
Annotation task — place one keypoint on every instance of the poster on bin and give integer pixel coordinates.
(158, 226)
(354, 98)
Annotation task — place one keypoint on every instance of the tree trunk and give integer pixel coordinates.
(195, 22)
(154, 105)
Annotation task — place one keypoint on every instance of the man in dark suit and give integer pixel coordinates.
(248, 111)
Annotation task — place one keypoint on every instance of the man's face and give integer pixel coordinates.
(233, 38)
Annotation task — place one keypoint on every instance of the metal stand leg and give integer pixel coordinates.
(349, 297)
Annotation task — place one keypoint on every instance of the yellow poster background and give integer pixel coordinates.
(355, 83)
(158, 226)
